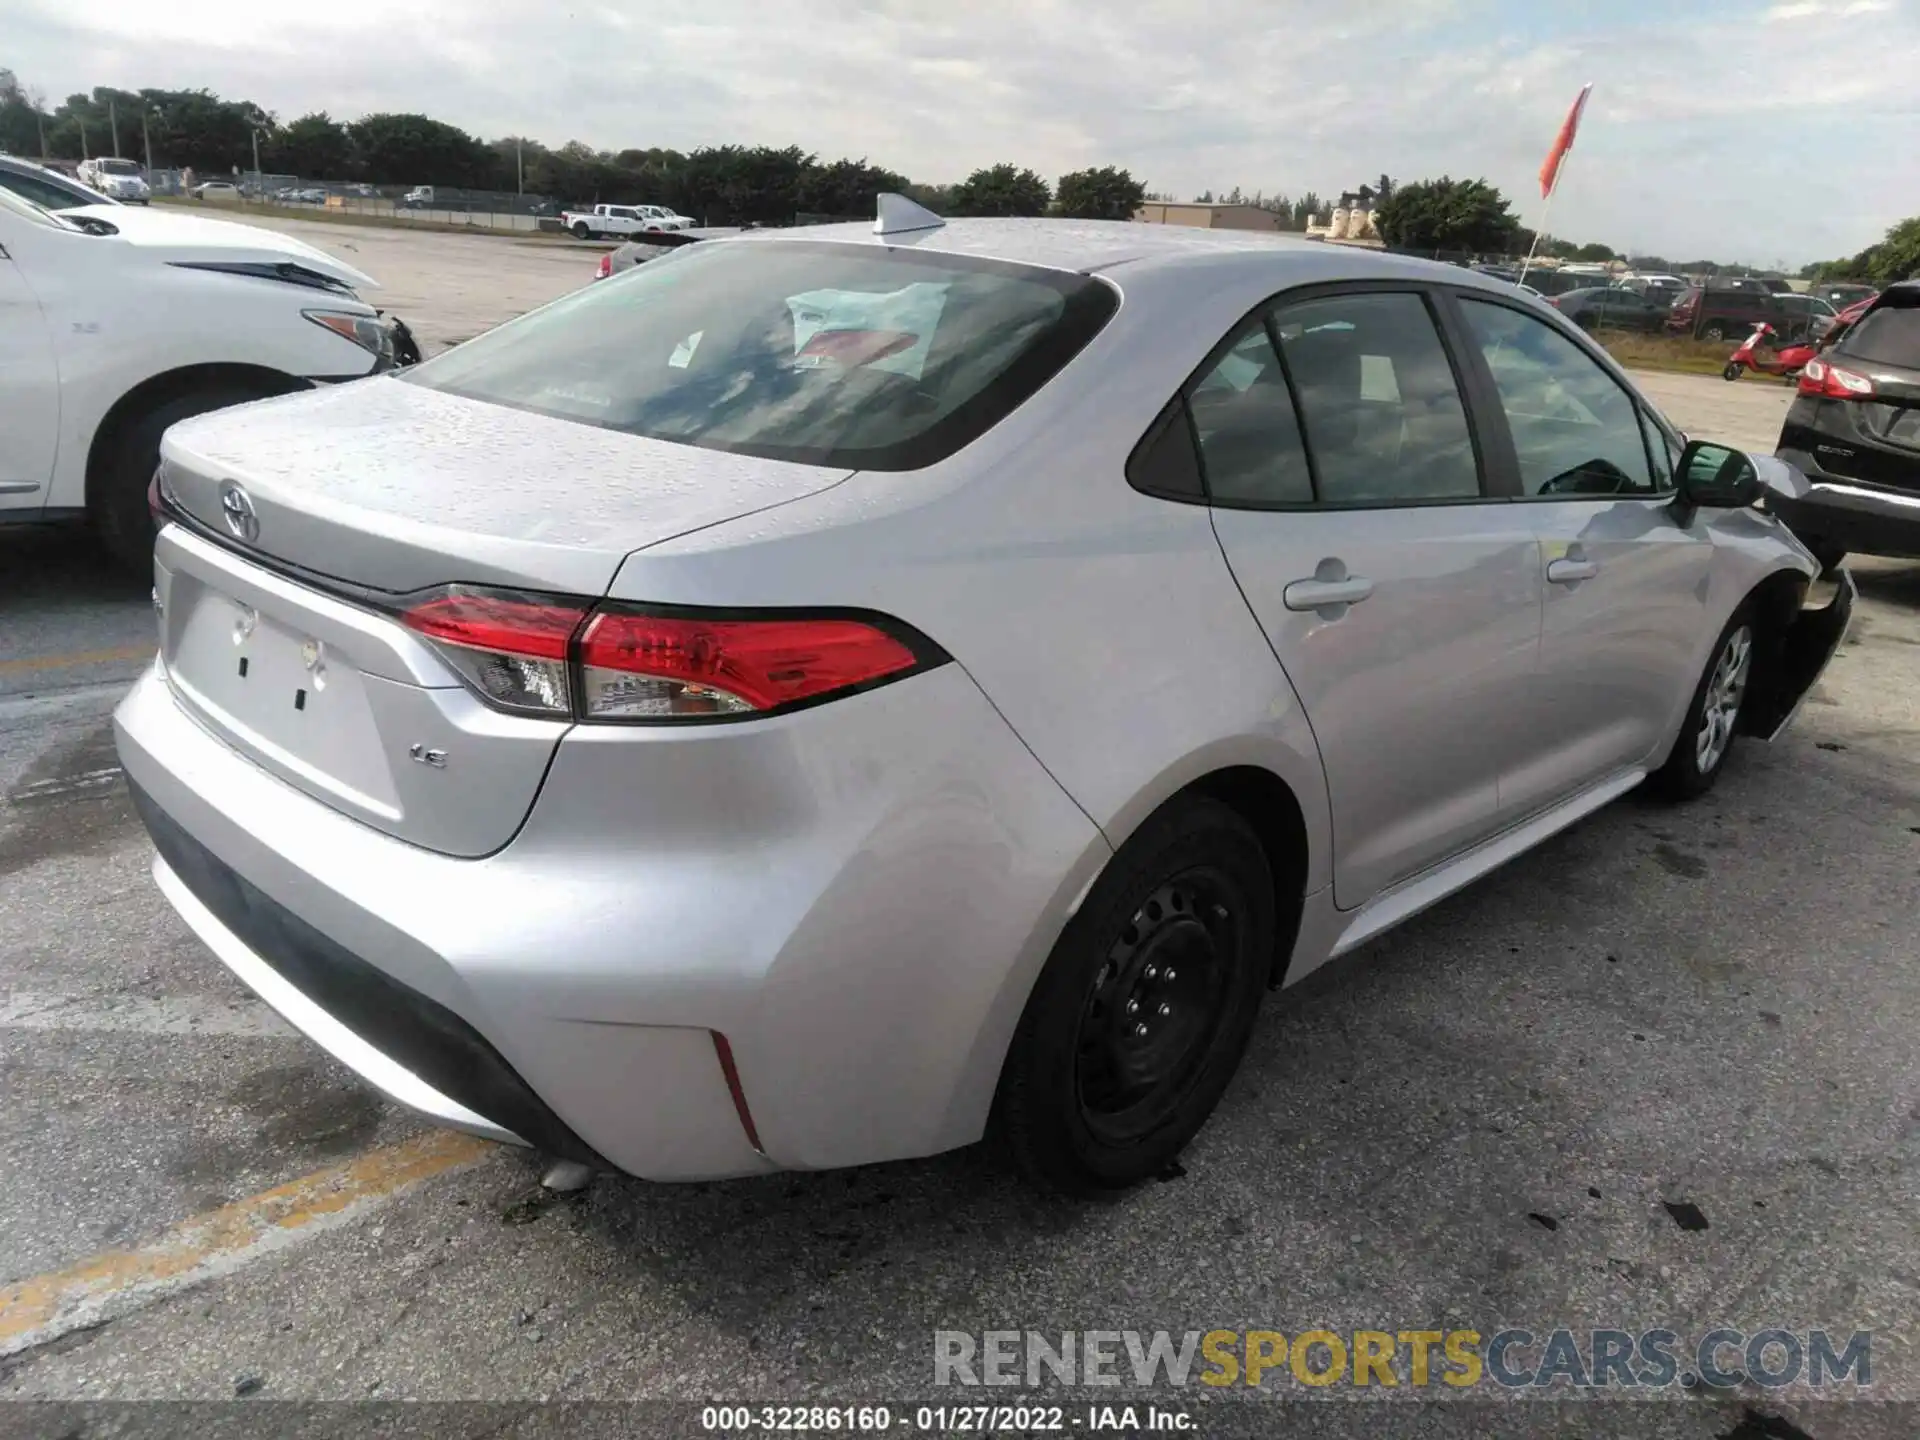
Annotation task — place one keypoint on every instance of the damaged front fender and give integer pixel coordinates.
(1797, 661)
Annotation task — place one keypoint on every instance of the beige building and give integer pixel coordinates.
(1206, 217)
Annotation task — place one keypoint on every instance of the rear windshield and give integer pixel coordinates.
(1889, 335)
(849, 355)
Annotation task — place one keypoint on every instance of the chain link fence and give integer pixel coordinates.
(436, 205)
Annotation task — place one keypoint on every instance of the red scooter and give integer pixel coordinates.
(1757, 352)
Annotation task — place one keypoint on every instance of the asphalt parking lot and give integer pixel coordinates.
(1511, 1111)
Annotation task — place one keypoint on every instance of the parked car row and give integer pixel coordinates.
(605, 220)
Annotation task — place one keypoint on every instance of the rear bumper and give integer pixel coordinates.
(1862, 519)
(856, 896)
(417, 1051)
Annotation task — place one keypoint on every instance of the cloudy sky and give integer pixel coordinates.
(1762, 130)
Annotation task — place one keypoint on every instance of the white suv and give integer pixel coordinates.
(116, 322)
(117, 179)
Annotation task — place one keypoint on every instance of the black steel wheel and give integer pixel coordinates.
(1154, 1005)
(1141, 1014)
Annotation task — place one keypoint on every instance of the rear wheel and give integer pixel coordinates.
(581, 230)
(1706, 736)
(1145, 1007)
(117, 503)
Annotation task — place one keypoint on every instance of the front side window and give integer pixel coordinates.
(1663, 448)
(24, 207)
(1249, 436)
(848, 355)
(1382, 411)
(1575, 429)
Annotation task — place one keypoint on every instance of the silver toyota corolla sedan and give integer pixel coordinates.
(822, 694)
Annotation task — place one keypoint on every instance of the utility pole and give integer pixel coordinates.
(41, 121)
(83, 141)
(146, 138)
(113, 124)
(519, 169)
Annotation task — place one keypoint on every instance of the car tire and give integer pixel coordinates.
(117, 506)
(1700, 753)
(1715, 332)
(1118, 1061)
(581, 230)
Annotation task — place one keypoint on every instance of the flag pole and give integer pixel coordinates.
(1551, 171)
(1546, 213)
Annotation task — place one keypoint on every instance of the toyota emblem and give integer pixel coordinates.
(237, 508)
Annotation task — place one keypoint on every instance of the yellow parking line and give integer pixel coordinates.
(84, 657)
(36, 1310)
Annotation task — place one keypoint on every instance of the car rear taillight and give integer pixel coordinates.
(640, 666)
(511, 648)
(570, 659)
(605, 267)
(1824, 380)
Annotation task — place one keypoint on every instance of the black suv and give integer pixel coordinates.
(1854, 430)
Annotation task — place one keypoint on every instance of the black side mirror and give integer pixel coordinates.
(1716, 477)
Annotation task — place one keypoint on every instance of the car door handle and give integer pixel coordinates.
(1569, 572)
(1321, 594)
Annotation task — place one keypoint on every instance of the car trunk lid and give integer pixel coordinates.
(392, 486)
(309, 523)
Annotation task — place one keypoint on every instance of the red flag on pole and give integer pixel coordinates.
(1563, 142)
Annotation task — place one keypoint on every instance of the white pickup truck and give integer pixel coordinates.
(623, 220)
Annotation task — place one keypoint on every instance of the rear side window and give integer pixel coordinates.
(1889, 335)
(1249, 435)
(1383, 416)
(847, 355)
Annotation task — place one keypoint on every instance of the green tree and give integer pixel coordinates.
(937, 198)
(1594, 252)
(1108, 193)
(314, 147)
(1897, 257)
(849, 189)
(391, 149)
(1447, 214)
(21, 117)
(1001, 190)
(1307, 209)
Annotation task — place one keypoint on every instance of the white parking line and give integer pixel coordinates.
(45, 1307)
(91, 780)
(139, 1015)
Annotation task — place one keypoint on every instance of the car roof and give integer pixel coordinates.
(1100, 246)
